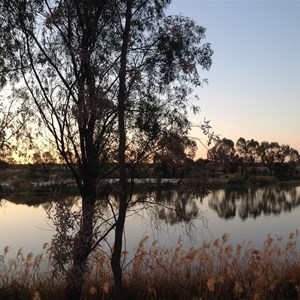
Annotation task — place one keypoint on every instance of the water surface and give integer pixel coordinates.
(245, 214)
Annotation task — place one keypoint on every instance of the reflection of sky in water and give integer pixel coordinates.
(23, 226)
(250, 229)
(28, 227)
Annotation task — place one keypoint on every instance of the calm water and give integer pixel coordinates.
(248, 214)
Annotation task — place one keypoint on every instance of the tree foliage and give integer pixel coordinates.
(251, 153)
(111, 81)
(15, 126)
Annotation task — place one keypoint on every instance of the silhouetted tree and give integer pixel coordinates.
(175, 155)
(291, 157)
(241, 150)
(270, 154)
(15, 131)
(223, 153)
(249, 154)
(285, 164)
(111, 81)
(252, 156)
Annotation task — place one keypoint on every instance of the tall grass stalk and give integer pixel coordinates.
(214, 270)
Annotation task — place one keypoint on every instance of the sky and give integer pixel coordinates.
(254, 81)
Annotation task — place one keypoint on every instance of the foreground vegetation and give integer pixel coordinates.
(215, 270)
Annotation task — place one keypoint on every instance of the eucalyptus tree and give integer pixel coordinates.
(291, 157)
(252, 156)
(290, 154)
(223, 153)
(270, 154)
(111, 80)
(177, 153)
(248, 152)
(241, 150)
(14, 114)
(283, 157)
(14, 128)
(241, 147)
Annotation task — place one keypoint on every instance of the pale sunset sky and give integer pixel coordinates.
(254, 82)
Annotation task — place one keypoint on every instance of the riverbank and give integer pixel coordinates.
(31, 187)
(236, 180)
(214, 270)
(21, 183)
(30, 177)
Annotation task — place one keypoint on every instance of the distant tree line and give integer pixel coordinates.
(252, 157)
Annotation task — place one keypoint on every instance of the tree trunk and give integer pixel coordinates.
(73, 292)
(83, 244)
(116, 256)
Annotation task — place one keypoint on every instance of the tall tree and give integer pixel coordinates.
(252, 156)
(223, 153)
(291, 157)
(175, 155)
(15, 131)
(111, 80)
(241, 149)
(270, 154)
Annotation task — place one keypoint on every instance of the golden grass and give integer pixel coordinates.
(214, 270)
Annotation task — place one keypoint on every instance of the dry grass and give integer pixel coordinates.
(215, 270)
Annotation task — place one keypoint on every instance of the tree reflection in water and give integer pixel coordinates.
(253, 202)
(176, 207)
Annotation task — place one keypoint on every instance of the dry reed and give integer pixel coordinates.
(214, 270)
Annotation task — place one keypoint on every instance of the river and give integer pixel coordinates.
(248, 214)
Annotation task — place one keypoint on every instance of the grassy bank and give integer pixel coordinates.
(215, 270)
(238, 180)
